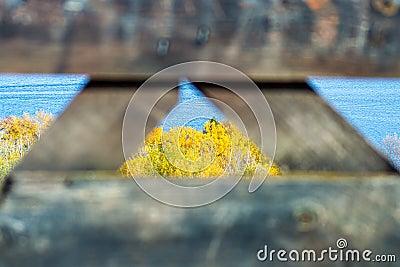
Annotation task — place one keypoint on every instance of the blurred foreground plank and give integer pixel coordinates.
(281, 40)
(96, 219)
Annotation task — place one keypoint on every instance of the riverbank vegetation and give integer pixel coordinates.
(391, 146)
(17, 135)
(219, 150)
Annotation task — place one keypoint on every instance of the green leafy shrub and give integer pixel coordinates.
(220, 150)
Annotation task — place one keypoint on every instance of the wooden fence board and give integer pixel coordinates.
(67, 219)
(265, 39)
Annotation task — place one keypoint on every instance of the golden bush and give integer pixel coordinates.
(17, 135)
(220, 150)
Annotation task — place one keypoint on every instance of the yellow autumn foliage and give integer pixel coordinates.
(17, 135)
(220, 150)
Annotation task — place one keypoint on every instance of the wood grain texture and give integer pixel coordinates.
(265, 39)
(95, 219)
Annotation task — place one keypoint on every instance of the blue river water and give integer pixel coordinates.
(193, 109)
(371, 105)
(31, 93)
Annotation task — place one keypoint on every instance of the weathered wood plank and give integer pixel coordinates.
(265, 39)
(67, 219)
